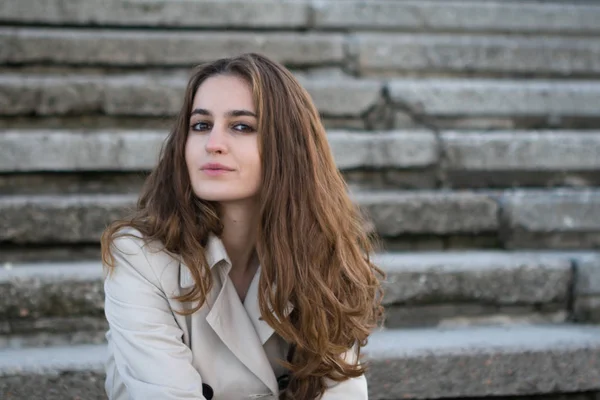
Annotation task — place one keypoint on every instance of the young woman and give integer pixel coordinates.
(244, 272)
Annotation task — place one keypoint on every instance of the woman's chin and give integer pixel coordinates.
(223, 197)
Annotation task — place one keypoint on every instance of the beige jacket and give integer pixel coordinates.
(157, 354)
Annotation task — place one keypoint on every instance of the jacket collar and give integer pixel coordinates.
(215, 254)
(239, 325)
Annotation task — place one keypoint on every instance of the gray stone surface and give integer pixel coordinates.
(181, 13)
(148, 95)
(587, 309)
(466, 16)
(66, 296)
(161, 48)
(429, 212)
(483, 361)
(561, 218)
(82, 218)
(67, 385)
(136, 150)
(343, 97)
(465, 315)
(46, 339)
(483, 277)
(391, 179)
(35, 94)
(497, 98)
(79, 150)
(60, 219)
(377, 52)
(545, 211)
(384, 149)
(58, 325)
(522, 150)
(52, 290)
(404, 364)
(142, 95)
(588, 274)
(52, 360)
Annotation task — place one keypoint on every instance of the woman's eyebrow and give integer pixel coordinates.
(232, 113)
(240, 113)
(200, 111)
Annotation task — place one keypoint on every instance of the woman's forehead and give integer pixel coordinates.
(222, 93)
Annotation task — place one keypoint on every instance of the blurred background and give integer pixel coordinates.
(469, 132)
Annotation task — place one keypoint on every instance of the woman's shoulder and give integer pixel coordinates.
(131, 249)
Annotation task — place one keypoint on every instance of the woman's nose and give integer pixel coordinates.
(216, 141)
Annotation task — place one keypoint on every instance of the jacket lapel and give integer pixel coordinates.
(230, 321)
(239, 326)
(263, 330)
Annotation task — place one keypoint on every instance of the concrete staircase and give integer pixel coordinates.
(469, 131)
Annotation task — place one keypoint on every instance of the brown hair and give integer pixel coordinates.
(312, 244)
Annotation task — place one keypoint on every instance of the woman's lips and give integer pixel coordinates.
(215, 169)
(215, 172)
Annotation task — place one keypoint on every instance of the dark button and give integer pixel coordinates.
(207, 391)
(283, 382)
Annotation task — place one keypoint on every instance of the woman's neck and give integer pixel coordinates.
(239, 235)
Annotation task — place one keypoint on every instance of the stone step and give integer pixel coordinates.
(371, 53)
(404, 364)
(369, 159)
(153, 95)
(496, 98)
(437, 15)
(523, 218)
(480, 159)
(412, 101)
(137, 150)
(458, 16)
(162, 48)
(485, 361)
(422, 289)
(390, 53)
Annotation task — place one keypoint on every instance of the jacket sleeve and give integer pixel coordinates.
(147, 357)
(351, 389)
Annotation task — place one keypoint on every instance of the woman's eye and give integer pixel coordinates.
(243, 128)
(200, 126)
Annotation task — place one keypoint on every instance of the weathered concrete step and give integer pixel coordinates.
(136, 150)
(521, 150)
(148, 95)
(156, 48)
(374, 53)
(52, 331)
(183, 13)
(68, 296)
(548, 219)
(455, 288)
(461, 159)
(441, 15)
(395, 53)
(82, 218)
(560, 218)
(404, 364)
(520, 158)
(458, 16)
(496, 98)
(423, 99)
(587, 302)
(490, 361)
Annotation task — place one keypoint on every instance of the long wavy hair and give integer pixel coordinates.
(312, 245)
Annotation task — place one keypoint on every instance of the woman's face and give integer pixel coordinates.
(221, 151)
